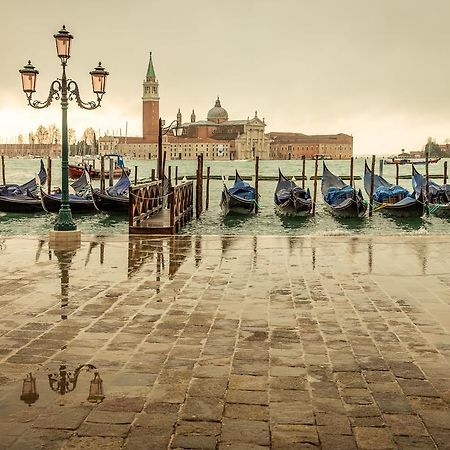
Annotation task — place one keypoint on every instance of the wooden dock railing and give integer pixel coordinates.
(145, 200)
(147, 212)
(181, 205)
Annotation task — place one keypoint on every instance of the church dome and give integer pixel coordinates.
(217, 114)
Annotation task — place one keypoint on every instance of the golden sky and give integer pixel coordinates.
(375, 69)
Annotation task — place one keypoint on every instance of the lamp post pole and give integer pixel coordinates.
(64, 89)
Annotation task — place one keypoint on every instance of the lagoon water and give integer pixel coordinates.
(266, 222)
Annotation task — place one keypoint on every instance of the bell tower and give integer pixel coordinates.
(150, 105)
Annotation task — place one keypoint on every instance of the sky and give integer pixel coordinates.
(375, 69)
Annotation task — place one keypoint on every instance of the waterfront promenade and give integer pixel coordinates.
(227, 342)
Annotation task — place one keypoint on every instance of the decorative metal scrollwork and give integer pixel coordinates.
(54, 94)
(74, 94)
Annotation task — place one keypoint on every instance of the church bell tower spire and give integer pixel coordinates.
(150, 104)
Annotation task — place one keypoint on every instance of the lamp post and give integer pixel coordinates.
(64, 89)
(177, 131)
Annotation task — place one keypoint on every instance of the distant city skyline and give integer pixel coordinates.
(374, 70)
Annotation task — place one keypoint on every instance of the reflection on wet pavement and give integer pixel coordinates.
(226, 342)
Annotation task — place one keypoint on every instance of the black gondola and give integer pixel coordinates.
(20, 203)
(7, 190)
(438, 196)
(239, 198)
(392, 199)
(290, 199)
(341, 199)
(115, 198)
(80, 202)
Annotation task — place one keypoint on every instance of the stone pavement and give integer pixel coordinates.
(226, 343)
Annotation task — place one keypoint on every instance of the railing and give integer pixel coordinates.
(145, 200)
(181, 205)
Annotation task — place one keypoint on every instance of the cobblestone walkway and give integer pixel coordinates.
(226, 343)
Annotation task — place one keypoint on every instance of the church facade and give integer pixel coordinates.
(217, 136)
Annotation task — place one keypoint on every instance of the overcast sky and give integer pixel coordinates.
(376, 69)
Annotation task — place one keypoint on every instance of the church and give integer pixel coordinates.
(217, 137)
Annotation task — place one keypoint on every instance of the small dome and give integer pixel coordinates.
(217, 114)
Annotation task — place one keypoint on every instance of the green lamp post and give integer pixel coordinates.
(64, 89)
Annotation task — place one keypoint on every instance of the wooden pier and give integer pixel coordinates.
(153, 212)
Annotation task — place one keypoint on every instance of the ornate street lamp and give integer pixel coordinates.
(64, 89)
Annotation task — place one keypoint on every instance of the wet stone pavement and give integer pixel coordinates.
(226, 343)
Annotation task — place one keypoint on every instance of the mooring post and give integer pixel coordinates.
(176, 175)
(153, 174)
(303, 171)
(49, 175)
(256, 183)
(208, 170)
(372, 179)
(160, 152)
(445, 172)
(427, 185)
(397, 173)
(102, 173)
(316, 164)
(381, 167)
(111, 171)
(351, 171)
(135, 175)
(169, 174)
(3, 169)
(198, 197)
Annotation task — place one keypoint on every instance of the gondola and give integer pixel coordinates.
(115, 198)
(80, 202)
(7, 190)
(438, 195)
(290, 199)
(392, 199)
(239, 198)
(20, 203)
(341, 199)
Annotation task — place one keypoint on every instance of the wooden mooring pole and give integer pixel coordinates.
(427, 185)
(256, 183)
(169, 174)
(445, 172)
(135, 174)
(176, 175)
(316, 164)
(111, 171)
(397, 173)
(3, 169)
(49, 175)
(351, 171)
(372, 179)
(208, 172)
(199, 196)
(164, 165)
(102, 173)
(153, 174)
(303, 171)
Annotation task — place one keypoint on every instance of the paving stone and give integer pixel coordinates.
(405, 424)
(333, 423)
(116, 417)
(245, 432)
(248, 383)
(93, 443)
(202, 408)
(294, 436)
(249, 412)
(200, 428)
(65, 418)
(291, 413)
(103, 429)
(336, 441)
(391, 403)
(208, 387)
(414, 443)
(202, 442)
(420, 388)
(373, 438)
(123, 404)
(247, 397)
(436, 419)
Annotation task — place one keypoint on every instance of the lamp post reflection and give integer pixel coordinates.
(64, 262)
(64, 382)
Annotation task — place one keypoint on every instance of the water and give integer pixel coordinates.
(213, 222)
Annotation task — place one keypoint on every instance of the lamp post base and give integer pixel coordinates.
(64, 222)
(65, 240)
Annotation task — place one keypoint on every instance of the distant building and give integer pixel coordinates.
(295, 145)
(217, 137)
(27, 150)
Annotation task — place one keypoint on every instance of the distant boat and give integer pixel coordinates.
(239, 198)
(393, 199)
(76, 170)
(403, 161)
(439, 195)
(290, 199)
(341, 199)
